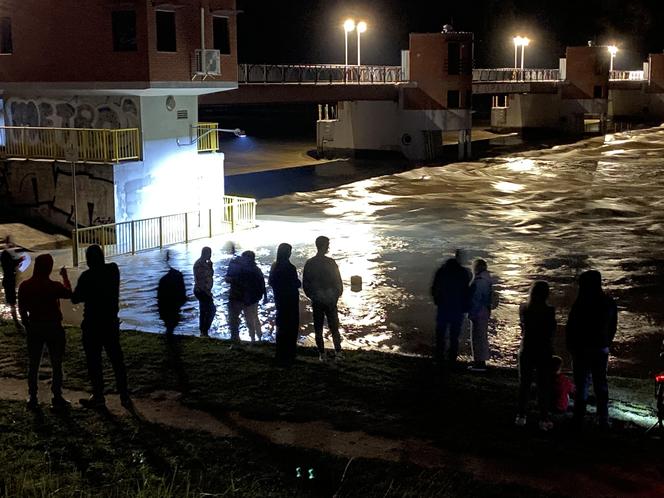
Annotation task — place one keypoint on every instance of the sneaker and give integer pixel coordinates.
(339, 355)
(545, 425)
(520, 421)
(32, 404)
(60, 403)
(93, 402)
(322, 357)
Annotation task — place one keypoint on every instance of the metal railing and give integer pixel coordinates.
(514, 75)
(627, 76)
(130, 237)
(101, 145)
(318, 74)
(207, 141)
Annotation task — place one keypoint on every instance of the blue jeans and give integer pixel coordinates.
(593, 363)
(448, 327)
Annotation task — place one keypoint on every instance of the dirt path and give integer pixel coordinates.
(164, 408)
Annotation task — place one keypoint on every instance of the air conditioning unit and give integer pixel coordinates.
(208, 62)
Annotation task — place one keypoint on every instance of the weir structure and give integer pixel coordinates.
(104, 129)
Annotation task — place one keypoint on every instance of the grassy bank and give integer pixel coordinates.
(388, 395)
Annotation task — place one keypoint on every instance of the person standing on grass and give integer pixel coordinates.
(322, 284)
(538, 326)
(247, 286)
(285, 285)
(9, 265)
(98, 288)
(481, 289)
(171, 296)
(203, 281)
(39, 307)
(591, 327)
(450, 290)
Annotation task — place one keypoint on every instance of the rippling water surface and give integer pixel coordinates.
(547, 214)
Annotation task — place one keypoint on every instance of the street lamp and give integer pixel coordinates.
(361, 28)
(349, 25)
(524, 43)
(613, 50)
(517, 42)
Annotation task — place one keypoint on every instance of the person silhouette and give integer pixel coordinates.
(450, 292)
(479, 312)
(591, 327)
(171, 296)
(10, 263)
(247, 286)
(323, 286)
(39, 307)
(285, 285)
(98, 288)
(203, 282)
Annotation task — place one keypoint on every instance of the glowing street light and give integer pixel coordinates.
(349, 25)
(361, 28)
(613, 50)
(523, 42)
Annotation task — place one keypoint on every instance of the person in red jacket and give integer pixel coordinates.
(39, 307)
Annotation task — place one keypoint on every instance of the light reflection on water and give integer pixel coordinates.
(546, 214)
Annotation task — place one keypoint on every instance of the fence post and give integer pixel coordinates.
(186, 227)
(74, 245)
(233, 216)
(133, 238)
(161, 233)
(210, 221)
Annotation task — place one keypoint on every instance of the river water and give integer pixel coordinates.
(546, 214)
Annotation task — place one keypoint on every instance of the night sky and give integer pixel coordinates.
(309, 31)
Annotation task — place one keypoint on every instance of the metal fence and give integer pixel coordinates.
(627, 76)
(130, 237)
(515, 75)
(318, 74)
(208, 141)
(103, 145)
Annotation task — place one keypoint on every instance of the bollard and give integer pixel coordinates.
(356, 283)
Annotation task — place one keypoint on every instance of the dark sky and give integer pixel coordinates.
(309, 31)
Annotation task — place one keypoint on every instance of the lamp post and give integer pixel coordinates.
(613, 50)
(524, 43)
(361, 28)
(517, 41)
(349, 25)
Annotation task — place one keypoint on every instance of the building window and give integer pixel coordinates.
(453, 58)
(166, 31)
(6, 35)
(453, 99)
(124, 31)
(222, 40)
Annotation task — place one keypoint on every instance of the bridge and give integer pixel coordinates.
(278, 83)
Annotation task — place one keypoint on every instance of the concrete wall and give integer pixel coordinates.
(43, 189)
(171, 178)
(528, 111)
(73, 112)
(629, 103)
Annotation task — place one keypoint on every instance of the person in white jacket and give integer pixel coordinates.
(481, 289)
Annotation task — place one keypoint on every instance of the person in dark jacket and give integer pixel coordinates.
(99, 289)
(285, 285)
(591, 327)
(171, 296)
(203, 283)
(538, 326)
(10, 264)
(247, 287)
(39, 306)
(450, 292)
(323, 285)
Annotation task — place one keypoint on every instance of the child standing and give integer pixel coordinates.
(562, 386)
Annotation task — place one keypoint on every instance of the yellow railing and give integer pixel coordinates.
(88, 144)
(130, 237)
(209, 142)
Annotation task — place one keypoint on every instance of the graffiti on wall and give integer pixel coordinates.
(45, 189)
(74, 112)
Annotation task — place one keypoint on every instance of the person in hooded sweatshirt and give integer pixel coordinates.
(591, 327)
(247, 286)
(171, 296)
(39, 307)
(450, 290)
(203, 282)
(479, 312)
(99, 289)
(285, 285)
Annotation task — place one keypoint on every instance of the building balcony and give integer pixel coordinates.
(70, 144)
(207, 139)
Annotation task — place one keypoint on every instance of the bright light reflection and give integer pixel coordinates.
(507, 187)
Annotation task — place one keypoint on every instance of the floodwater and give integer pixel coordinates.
(546, 214)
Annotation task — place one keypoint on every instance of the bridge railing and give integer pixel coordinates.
(515, 75)
(134, 236)
(627, 76)
(318, 74)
